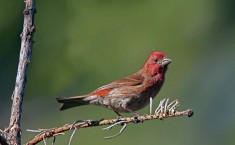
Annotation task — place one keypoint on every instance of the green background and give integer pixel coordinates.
(81, 45)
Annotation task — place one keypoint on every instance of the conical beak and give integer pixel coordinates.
(166, 61)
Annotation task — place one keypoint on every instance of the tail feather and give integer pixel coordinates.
(72, 102)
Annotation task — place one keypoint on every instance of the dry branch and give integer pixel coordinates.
(3, 140)
(12, 134)
(164, 110)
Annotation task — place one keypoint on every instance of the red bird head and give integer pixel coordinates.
(156, 64)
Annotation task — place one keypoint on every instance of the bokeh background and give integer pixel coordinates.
(81, 45)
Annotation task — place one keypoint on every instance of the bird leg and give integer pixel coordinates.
(119, 115)
(137, 117)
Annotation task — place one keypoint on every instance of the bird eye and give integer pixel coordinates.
(156, 59)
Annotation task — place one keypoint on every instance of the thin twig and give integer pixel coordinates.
(54, 139)
(44, 140)
(31, 130)
(164, 106)
(115, 135)
(71, 137)
(150, 105)
(165, 109)
(112, 125)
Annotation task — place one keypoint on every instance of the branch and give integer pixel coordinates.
(13, 132)
(164, 110)
(2, 139)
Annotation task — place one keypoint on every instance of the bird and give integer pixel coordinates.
(129, 94)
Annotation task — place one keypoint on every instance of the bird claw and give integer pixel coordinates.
(119, 118)
(138, 119)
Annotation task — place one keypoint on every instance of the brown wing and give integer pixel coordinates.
(133, 80)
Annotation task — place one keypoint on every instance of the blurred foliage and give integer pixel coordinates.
(81, 45)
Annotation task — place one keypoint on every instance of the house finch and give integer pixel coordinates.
(129, 94)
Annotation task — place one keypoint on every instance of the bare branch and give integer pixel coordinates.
(164, 110)
(13, 132)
